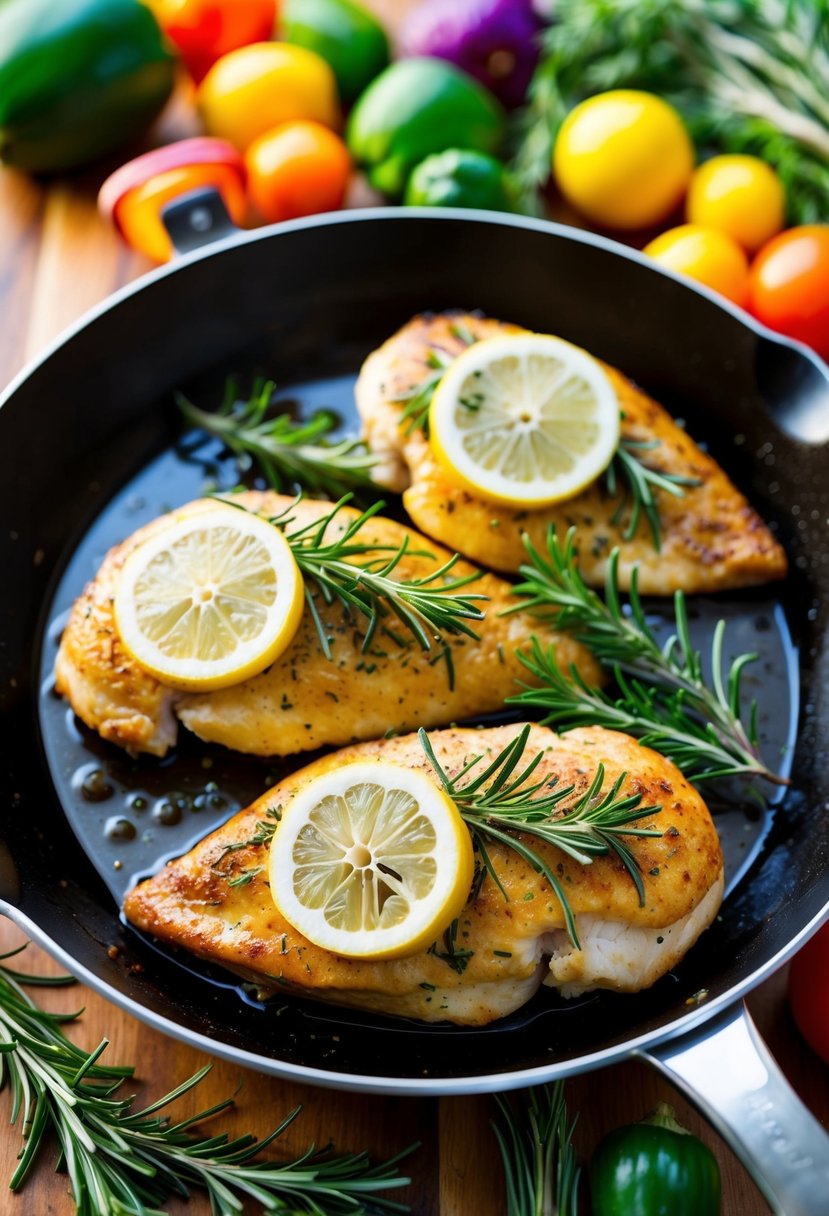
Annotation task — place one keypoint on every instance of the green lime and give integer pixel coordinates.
(342, 33)
(414, 108)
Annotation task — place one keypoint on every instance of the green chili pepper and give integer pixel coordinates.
(77, 78)
(654, 1168)
(460, 178)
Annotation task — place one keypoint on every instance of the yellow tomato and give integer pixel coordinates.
(623, 158)
(255, 88)
(740, 195)
(705, 254)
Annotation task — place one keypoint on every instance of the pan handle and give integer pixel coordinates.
(196, 219)
(727, 1071)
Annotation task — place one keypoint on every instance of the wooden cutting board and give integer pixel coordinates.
(57, 258)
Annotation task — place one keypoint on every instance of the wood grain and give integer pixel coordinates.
(57, 258)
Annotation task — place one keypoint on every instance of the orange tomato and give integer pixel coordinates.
(252, 90)
(299, 168)
(707, 255)
(789, 285)
(204, 30)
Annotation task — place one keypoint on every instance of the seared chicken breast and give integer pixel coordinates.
(712, 540)
(304, 700)
(516, 943)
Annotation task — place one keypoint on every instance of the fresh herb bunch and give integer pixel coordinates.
(289, 454)
(126, 1163)
(698, 725)
(497, 799)
(746, 75)
(535, 1136)
(428, 607)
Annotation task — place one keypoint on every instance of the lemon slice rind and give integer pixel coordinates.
(524, 419)
(210, 599)
(371, 860)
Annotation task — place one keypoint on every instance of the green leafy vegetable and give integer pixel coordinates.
(123, 1162)
(289, 454)
(746, 75)
(698, 724)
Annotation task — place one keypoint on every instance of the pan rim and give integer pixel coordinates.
(433, 1087)
(241, 236)
(419, 1086)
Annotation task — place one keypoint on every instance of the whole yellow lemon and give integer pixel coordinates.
(623, 158)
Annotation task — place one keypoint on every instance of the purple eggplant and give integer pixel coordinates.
(494, 40)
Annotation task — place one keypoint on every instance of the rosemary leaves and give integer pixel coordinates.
(663, 696)
(290, 455)
(497, 799)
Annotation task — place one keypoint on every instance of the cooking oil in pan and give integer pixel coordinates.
(133, 813)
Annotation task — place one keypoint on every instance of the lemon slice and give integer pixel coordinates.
(371, 860)
(210, 599)
(524, 419)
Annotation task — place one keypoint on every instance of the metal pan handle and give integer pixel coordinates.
(727, 1071)
(196, 219)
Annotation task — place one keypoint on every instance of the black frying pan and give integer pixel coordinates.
(86, 453)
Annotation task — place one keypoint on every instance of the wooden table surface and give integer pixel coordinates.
(57, 258)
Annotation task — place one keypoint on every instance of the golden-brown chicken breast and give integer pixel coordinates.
(513, 944)
(304, 700)
(712, 540)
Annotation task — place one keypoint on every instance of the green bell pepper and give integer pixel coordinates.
(460, 178)
(349, 39)
(77, 78)
(654, 1168)
(414, 108)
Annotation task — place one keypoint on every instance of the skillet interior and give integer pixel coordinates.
(98, 409)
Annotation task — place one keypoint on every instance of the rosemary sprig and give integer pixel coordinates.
(637, 485)
(497, 799)
(535, 1136)
(698, 724)
(428, 607)
(122, 1162)
(289, 454)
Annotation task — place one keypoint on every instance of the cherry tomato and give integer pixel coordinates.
(204, 30)
(623, 158)
(134, 195)
(252, 90)
(740, 195)
(300, 168)
(789, 285)
(809, 992)
(705, 254)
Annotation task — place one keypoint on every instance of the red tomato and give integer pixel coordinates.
(298, 168)
(809, 992)
(789, 285)
(204, 30)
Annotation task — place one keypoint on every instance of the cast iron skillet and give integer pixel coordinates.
(305, 302)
